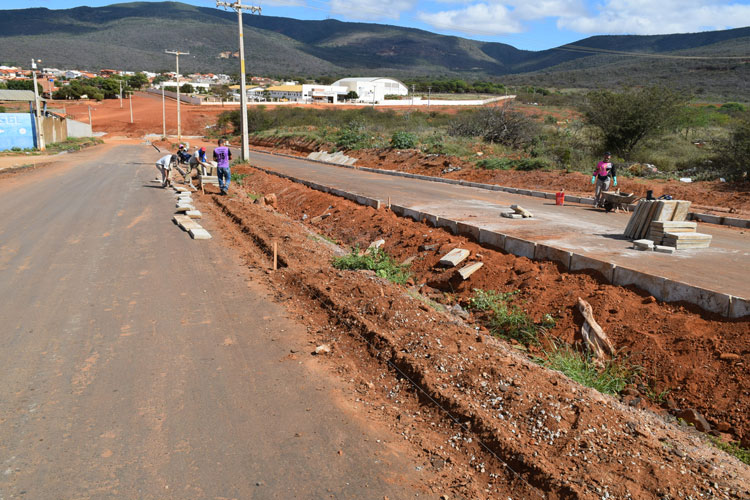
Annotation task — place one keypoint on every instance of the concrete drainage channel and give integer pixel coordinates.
(661, 288)
(187, 214)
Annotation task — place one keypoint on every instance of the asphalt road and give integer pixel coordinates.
(138, 363)
(579, 228)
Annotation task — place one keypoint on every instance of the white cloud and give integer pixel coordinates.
(641, 17)
(480, 19)
(369, 10)
(646, 17)
(496, 17)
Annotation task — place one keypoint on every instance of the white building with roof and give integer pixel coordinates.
(373, 89)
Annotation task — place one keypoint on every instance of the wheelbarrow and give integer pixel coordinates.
(617, 201)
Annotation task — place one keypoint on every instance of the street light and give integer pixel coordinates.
(37, 117)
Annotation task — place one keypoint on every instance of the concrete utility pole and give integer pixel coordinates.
(237, 6)
(429, 94)
(163, 113)
(120, 93)
(130, 98)
(177, 77)
(37, 117)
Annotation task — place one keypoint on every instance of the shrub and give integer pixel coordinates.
(403, 140)
(733, 107)
(500, 125)
(625, 119)
(733, 155)
(495, 163)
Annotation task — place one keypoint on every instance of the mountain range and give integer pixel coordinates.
(133, 36)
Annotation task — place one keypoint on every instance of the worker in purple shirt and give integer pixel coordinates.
(222, 156)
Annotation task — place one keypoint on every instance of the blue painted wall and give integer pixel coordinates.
(16, 130)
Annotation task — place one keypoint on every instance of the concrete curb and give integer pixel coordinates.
(661, 288)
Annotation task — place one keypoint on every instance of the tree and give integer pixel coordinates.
(351, 95)
(23, 85)
(625, 119)
(186, 88)
(734, 153)
(137, 81)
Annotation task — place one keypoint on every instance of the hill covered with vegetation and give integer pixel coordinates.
(134, 36)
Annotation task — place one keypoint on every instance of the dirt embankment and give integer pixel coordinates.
(711, 197)
(514, 427)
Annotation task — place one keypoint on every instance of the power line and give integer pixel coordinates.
(593, 50)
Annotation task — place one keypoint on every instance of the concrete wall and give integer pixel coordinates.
(78, 129)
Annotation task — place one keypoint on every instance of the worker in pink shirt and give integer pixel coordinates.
(604, 169)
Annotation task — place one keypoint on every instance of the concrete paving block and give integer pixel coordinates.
(520, 247)
(430, 219)
(194, 214)
(573, 199)
(739, 307)
(545, 252)
(415, 215)
(663, 249)
(454, 257)
(525, 192)
(180, 189)
(643, 244)
(711, 219)
(511, 215)
(199, 234)
(511, 190)
(367, 201)
(550, 196)
(470, 269)
(586, 201)
(495, 187)
(468, 230)
(732, 221)
(398, 210)
(582, 263)
(648, 282)
(539, 194)
(184, 207)
(492, 239)
(448, 224)
(675, 291)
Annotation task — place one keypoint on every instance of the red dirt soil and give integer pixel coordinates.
(565, 441)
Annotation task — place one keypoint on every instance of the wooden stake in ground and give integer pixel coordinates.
(275, 254)
(592, 333)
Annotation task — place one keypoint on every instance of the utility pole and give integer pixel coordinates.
(163, 113)
(237, 6)
(429, 94)
(130, 94)
(412, 94)
(177, 55)
(120, 93)
(37, 117)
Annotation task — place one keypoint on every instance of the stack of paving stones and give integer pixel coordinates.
(187, 214)
(660, 225)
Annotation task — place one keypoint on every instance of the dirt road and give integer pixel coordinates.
(580, 229)
(138, 363)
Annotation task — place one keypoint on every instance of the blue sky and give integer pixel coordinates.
(525, 24)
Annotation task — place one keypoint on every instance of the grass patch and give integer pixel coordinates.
(734, 449)
(435, 305)
(254, 196)
(507, 320)
(523, 164)
(611, 378)
(239, 178)
(73, 144)
(378, 261)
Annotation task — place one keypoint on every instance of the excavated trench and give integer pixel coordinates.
(506, 424)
